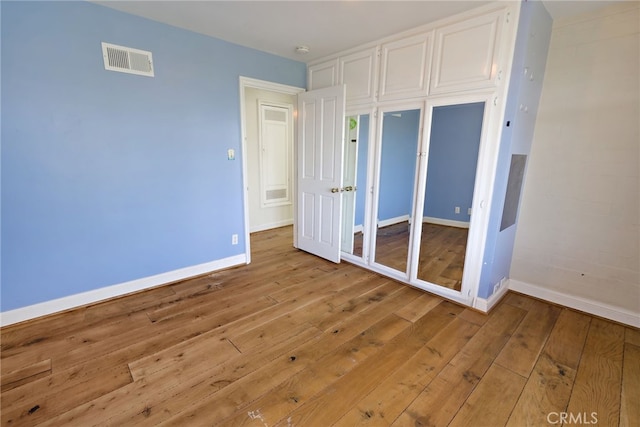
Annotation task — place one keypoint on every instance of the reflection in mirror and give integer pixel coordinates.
(354, 178)
(400, 136)
(451, 170)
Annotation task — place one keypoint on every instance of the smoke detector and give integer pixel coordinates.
(301, 50)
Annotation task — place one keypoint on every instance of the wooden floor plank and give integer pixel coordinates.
(418, 307)
(177, 388)
(391, 396)
(380, 291)
(352, 329)
(326, 407)
(25, 374)
(632, 336)
(286, 392)
(548, 389)
(491, 402)
(322, 344)
(600, 372)
(524, 347)
(138, 342)
(630, 396)
(51, 396)
(440, 401)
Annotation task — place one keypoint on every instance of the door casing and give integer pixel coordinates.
(246, 82)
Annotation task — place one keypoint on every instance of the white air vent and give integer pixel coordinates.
(278, 194)
(127, 60)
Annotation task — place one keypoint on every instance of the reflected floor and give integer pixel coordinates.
(442, 251)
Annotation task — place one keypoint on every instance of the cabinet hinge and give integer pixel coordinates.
(508, 17)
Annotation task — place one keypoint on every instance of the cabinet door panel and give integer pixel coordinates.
(358, 72)
(323, 75)
(466, 54)
(404, 70)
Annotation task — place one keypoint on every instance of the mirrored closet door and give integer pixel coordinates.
(356, 149)
(399, 137)
(446, 183)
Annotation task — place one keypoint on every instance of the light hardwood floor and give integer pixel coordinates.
(292, 340)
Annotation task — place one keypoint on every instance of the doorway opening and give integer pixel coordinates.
(267, 112)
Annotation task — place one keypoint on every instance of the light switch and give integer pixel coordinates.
(231, 154)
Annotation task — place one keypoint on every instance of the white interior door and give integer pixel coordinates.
(319, 184)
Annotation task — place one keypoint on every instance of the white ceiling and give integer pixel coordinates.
(326, 27)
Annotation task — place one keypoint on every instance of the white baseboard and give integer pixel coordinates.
(447, 222)
(392, 221)
(269, 226)
(583, 304)
(486, 304)
(91, 297)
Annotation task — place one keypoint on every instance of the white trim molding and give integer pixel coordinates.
(596, 308)
(392, 221)
(447, 222)
(487, 304)
(271, 225)
(97, 295)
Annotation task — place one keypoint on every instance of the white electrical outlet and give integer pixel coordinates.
(499, 285)
(469, 211)
(234, 239)
(457, 209)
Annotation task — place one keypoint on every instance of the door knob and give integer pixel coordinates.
(335, 190)
(349, 188)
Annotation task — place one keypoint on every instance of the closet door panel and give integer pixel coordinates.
(405, 68)
(358, 71)
(322, 75)
(466, 54)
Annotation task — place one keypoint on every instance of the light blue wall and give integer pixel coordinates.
(532, 45)
(110, 177)
(398, 163)
(453, 157)
(361, 178)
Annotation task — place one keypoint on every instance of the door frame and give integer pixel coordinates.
(244, 83)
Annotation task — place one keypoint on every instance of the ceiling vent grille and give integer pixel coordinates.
(127, 60)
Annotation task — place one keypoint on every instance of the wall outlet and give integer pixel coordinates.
(234, 239)
(499, 285)
(457, 209)
(469, 211)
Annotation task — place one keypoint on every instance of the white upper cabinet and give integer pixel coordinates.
(358, 71)
(404, 71)
(466, 54)
(324, 74)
